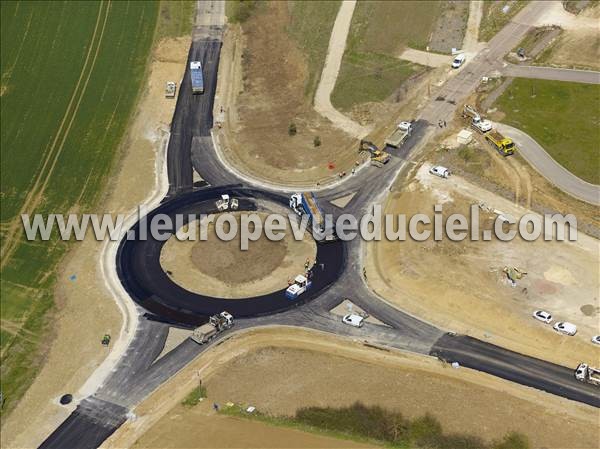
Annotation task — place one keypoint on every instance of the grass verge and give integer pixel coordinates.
(71, 74)
(195, 396)
(496, 14)
(176, 18)
(375, 424)
(379, 31)
(562, 117)
(310, 27)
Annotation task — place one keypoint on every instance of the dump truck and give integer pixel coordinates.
(503, 145)
(400, 134)
(216, 324)
(481, 125)
(378, 158)
(301, 284)
(585, 373)
(170, 89)
(196, 77)
(306, 203)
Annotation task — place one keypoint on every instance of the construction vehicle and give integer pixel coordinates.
(226, 203)
(196, 77)
(306, 203)
(216, 324)
(301, 284)
(106, 340)
(585, 373)
(400, 134)
(481, 125)
(378, 158)
(170, 89)
(503, 145)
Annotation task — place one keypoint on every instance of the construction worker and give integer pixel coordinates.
(290, 282)
(306, 264)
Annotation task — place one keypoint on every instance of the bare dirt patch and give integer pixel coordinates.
(449, 30)
(86, 310)
(337, 372)
(461, 287)
(220, 268)
(267, 98)
(575, 49)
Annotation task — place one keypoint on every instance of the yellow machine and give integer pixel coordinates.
(503, 145)
(378, 158)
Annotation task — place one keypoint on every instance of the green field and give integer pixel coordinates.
(71, 74)
(564, 118)
(380, 30)
(310, 26)
(493, 18)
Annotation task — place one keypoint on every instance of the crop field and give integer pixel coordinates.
(71, 74)
(534, 105)
(380, 30)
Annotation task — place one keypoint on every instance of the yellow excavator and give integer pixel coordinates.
(378, 157)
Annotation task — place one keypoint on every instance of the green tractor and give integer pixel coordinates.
(106, 340)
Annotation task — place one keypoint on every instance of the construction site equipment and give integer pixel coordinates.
(301, 284)
(585, 373)
(196, 77)
(106, 340)
(306, 203)
(400, 134)
(378, 158)
(503, 145)
(514, 274)
(224, 203)
(216, 324)
(170, 89)
(481, 125)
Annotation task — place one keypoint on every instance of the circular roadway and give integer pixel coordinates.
(140, 271)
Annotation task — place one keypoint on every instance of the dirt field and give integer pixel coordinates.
(470, 291)
(449, 30)
(76, 350)
(265, 74)
(338, 372)
(218, 268)
(574, 49)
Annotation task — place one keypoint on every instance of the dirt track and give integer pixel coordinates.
(305, 369)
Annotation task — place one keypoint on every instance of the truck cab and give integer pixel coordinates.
(301, 284)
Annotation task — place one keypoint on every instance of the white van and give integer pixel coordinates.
(458, 61)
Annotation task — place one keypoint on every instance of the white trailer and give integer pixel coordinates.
(585, 373)
(216, 324)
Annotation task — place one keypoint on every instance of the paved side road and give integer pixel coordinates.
(552, 73)
(549, 168)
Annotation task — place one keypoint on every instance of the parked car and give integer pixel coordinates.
(543, 316)
(458, 61)
(596, 339)
(565, 328)
(440, 171)
(353, 320)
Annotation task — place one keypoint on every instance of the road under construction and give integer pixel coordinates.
(163, 304)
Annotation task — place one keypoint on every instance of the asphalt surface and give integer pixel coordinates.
(139, 372)
(551, 73)
(555, 173)
(151, 287)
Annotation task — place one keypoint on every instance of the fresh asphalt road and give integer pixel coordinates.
(139, 373)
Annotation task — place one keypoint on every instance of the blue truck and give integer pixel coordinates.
(197, 77)
(306, 204)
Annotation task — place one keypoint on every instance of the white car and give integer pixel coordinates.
(458, 61)
(440, 171)
(543, 316)
(565, 328)
(596, 339)
(353, 320)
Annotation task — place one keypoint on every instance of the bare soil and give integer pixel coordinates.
(306, 369)
(220, 268)
(450, 27)
(86, 310)
(470, 293)
(576, 48)
(266, 77)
